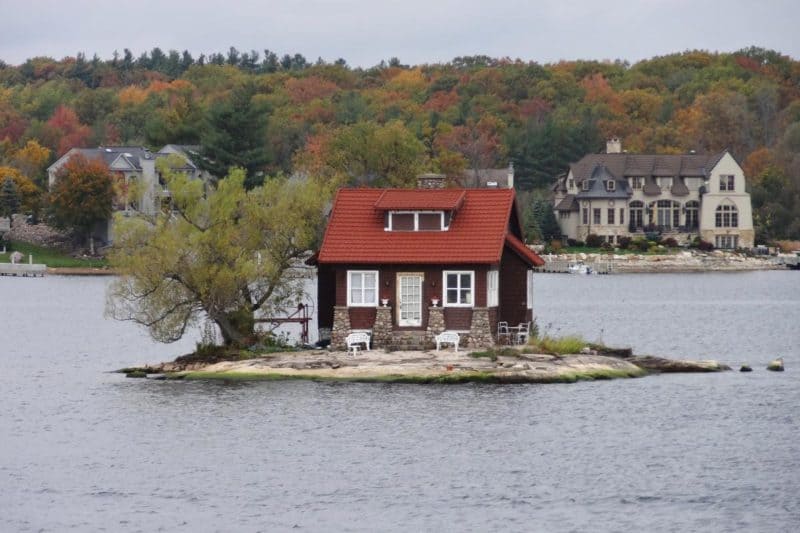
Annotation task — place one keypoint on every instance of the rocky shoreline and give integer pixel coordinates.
(503, 366)
(684, 261)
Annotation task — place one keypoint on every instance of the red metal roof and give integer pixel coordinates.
(420, 199)
(478, 231)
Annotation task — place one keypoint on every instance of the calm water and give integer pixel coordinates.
(84, 450)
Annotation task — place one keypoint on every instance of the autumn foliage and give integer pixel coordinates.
(380, 125)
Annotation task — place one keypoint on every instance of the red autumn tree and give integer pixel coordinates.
(64, 131)
(82, 195)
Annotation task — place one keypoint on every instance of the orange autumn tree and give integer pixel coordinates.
(82, 195)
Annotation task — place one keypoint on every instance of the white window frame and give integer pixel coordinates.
(529, 288)
(459, 273)
(729, 182)
(611, 185)
(350, 302)
(442, 226)
(493, 288)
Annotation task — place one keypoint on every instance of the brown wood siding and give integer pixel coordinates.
(362, 317)
(326, 295)
(513, 289)
(459, 318)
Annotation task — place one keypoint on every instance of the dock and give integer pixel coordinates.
(562, 266)
(22, 269)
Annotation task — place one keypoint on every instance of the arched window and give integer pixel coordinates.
(692, 209)
(726, 216)
(668, 213)
(636, 209)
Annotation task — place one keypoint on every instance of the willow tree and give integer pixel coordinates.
(222, 253)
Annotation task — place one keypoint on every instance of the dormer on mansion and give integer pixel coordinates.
(617, 195)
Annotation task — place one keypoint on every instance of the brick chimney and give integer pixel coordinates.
(614, 146)
(431, 181)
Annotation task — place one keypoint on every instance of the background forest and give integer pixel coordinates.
(386, 124)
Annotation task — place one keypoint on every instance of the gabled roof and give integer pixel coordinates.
(597, 185)
(420, 199)
(568, 203)
(483, 225)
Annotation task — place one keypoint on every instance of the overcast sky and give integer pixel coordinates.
(416, 31)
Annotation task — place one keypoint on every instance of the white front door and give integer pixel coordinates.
(409, 299)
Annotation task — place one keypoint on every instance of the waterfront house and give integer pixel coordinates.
(617, 194)
(135, 166)
(407, 264)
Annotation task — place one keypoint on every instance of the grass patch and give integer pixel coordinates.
(49, 257)
(494, 353)
(546, 344)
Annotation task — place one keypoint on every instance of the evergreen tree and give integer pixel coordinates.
(9, 198)
(235, 136)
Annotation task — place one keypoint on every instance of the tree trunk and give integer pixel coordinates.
(91, 244)
(237, 327)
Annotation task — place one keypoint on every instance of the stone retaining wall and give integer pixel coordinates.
(38, 234)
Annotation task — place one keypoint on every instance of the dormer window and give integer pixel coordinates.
(585, 185)
(417, 221)
(611, 185)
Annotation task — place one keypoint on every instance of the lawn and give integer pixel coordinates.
(51, 258)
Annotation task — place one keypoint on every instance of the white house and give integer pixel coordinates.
(681, 196)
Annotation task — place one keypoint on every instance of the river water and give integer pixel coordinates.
(85, 450)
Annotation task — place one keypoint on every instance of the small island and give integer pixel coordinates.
(497, 365)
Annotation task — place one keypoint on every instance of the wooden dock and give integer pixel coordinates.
(562, 267)
(22, 269)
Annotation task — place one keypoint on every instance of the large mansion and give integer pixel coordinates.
(617, 195)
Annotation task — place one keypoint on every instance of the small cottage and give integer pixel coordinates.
(406, 265)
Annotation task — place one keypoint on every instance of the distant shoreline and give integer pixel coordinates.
(681, 262)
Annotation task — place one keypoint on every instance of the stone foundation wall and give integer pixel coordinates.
(435, 325)
(341, 327)
(480, 331)
(382, 330)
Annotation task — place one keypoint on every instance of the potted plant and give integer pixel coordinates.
(435, 301)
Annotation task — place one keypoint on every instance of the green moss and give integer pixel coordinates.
(136, 374)
(444, 378)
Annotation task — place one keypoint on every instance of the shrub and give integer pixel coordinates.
(705, 246)
(594, 241)
(624, 242)
(640, 244)
(669, 242)
(573, 243)
(555, 246)
(607, 246)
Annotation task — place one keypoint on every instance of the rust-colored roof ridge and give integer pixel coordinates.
(523, 251)
(448, 199)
